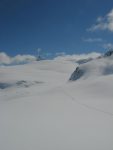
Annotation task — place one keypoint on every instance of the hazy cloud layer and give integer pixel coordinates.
(60, 54)
(18, 59)
(108, 46)
(103, 23)
(77, 57)
(91, 40)
(21, 59)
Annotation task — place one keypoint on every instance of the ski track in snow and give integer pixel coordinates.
(85, 105)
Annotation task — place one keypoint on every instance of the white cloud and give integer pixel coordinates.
(77, 57)
(60, 54)
(18, 59)
(103, 23)
(108, 46)
(4, 58)
(23, 59)
(91, 40)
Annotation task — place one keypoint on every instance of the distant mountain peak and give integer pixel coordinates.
(108, 53)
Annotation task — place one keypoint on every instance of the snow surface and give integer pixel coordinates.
(94, 68)
(41, 110)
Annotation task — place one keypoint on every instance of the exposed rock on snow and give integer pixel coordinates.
(97, 67)
(78, 73)
(108, 53)
(4, 85)
(83, 61)
(21, 83)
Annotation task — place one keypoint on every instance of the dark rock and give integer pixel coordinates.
(4, 85)
(108, 53)
(78, 73)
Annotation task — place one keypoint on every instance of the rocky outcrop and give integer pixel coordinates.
(78, 73)
(108, 53)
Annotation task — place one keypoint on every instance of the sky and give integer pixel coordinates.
(55, 27)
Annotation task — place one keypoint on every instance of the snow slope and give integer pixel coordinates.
(94, 68)
(41, 110)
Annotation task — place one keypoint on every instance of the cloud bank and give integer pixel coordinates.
(22, 59)
(103, 23)
(18, 59)
(77, 57)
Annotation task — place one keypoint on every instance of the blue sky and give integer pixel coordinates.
(55, 26)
